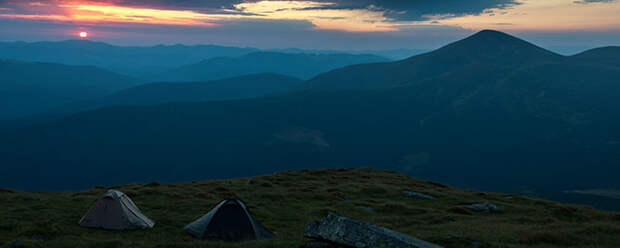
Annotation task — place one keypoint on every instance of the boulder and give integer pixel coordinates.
(418, 195)
(482, 207)
(348, 232)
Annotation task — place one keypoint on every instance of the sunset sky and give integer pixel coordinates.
(316, 24)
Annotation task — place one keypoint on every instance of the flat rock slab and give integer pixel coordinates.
(418, 195)
(482, 207)
(353, 233)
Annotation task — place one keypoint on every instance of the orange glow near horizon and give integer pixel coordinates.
(83, 35)
(117, 14)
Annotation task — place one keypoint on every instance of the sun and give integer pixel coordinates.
(83, 35)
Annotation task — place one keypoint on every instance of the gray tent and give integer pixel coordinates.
(228, 221)
(115, 211)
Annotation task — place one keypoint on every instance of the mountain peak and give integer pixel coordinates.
(489, 33)
(496, 47)
(493, 39)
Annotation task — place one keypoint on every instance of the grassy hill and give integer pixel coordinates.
(285, 202)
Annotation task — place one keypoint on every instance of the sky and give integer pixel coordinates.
(312, 24)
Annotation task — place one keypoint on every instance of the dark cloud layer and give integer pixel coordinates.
(415, 10)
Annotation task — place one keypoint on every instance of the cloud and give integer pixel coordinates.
(392, 10)
(319, 13)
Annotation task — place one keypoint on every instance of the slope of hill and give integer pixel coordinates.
(604, 55)
(521, 126)
(484, 49)
(136, 61)
(29, 87)
(249, 86)
(284, 202)
(296, 65)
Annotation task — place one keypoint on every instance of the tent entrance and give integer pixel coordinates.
(230, 223)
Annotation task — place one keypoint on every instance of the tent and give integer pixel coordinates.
(228, 221)
(114, 210)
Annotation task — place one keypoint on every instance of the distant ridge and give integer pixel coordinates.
(135, 61)
(300, 65)
(249, 86)
(149, 61)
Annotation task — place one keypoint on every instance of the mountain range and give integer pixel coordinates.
(44, 89)
(490, 112)
(295, 65)
(134, 61)
(149, 62)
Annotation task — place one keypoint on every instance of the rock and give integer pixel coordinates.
(482, 207)
(418, 195)
(15, 244)
(353, 233)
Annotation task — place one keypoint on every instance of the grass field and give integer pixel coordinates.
(285, 202)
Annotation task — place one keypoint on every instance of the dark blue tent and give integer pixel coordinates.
(228, 221)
